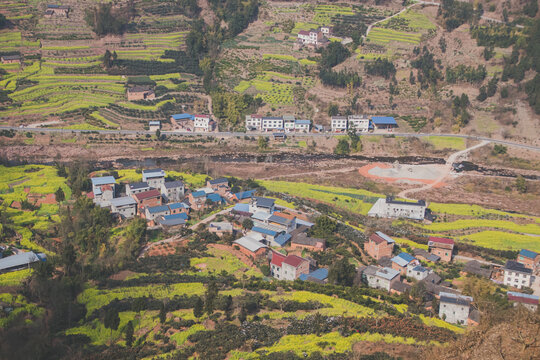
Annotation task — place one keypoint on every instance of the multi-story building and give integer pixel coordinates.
(103, 189)
(154, 125)
(529, 259)
(302, 125)
(311, 37)
(124, 206)
(254, 122)
(153, 212)
(339, 123)
(379, 245)
(380, 278)
(454, 308)
(135, 188)
(390, 208)
(358, 123)
(261, 204)
(202, 123)
(197, 199)
(441, 247)
(326, 30)
(418, 272)
(516, 275)
(288, 267)
(155, 178)
(272, 123)
(148, 198)
(401, 261)
(173, 191)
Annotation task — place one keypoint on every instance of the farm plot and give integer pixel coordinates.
(385, 36)
(324, 14)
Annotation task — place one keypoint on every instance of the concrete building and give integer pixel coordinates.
(124, 206)
(288, 267)
(418, 272)
(302, 126)
(516, 275)
(217, 184)
(154, 177)
(153, 212)
(221, 228)
(154, 125)
(391, 208)
(401, 261)
(528, 301)
(272, 124)
(312, 37)
(251, 247)
(303, 241)
(202, 122)
(197, 200)
(261, 204)
(380, 278)
(173, 191)
(140, 93)
(135, 188)
(384, 123)
(103, 189)
(326, 30)
(254, 122)
(441, 247)
(282, 221)
(379, 245)
(529, 259)
(358, 123)
(454, 308)
(339, 123)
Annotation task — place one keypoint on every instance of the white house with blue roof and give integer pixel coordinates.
(384, 123)
(302, 126)
(380, 278)
(417, 272)
(173, 191)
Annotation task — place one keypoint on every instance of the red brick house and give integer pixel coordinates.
(379, 245)
(148, 198)
(441, 247)
(529, 259)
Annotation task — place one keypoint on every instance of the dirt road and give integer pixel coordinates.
(445, 172)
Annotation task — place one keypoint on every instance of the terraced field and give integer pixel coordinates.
(385, 36)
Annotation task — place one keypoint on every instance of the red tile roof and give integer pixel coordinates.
(294, 260)
(277, 259)
(441, 240)
(523, 299)
(303, 32)
(377, 239)
(147, 194)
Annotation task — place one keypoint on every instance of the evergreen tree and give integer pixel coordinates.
(59, 194)
(162, 313)
(129, 333)
(112, 320)
(198, 308)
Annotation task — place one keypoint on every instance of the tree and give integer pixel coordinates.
(112, 320)
(138, 306)
(104, 21)
(162, 313)
(356, 144)
(333, 109)
(342, 272)
(342, 147)
(158, 134)
(262, 143)
(129, 333)
(210, 297)
(324, 226)
(335, 53)
(521, 184)
(247, 224)
(499, 149)
(3, 21)
(59, 194)
(482, 95)
(198, 308)
(243, 314)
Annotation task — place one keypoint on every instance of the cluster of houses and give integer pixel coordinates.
(162, 203)
(197, 123)
(286, 123)
(276, 231)
(314, 38)
(362, 123)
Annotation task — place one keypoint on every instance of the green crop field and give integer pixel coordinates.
(384, 36)
(131, 175)
(21, 307)
(446, 142)
(15, 278)
(223, 261)
(502, 240)
(483, 223)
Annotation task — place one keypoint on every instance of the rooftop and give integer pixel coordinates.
(123, 201)
(523, 298)
(222, 225)
(197, 194)
(138, 88)
(147, 194)
(179, 205)
(183, 216)
(173, 220)
(244, 194)
(241, 208)
(439, 240)
(138, 185)
(20, 260)
(392, 200)
(528, 254)
(383, 120)
(280, 220)
(218, 181)
(403, 259)
(385, 237)
(277, 258)
(249, 243)
(303, 122)
(157, 209)
(376, 238)
(103, 180)
(294, 260)
(264, 202)
(282, 239)
(150, 173)
(319, 274)
(154, 123)
(183, 116)
(515, 266)
(387, 273)
(173, 184)
(264, 231)
(455, 299)
(214, 197)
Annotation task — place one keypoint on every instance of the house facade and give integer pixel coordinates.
(418, 272)
(311, 37)
(125, 206)
(272, 123)
(302, 126)
(251, 247)
(530, 302)
(339, 123)
(253, 122)
(454, 308)
(155, 178)
(391, 208)
(441, 247)
(197, 200)
(401, 261)
(380, 278)
(56, 10)
(384, 123)
(303, 241)
(135, 188)
(148, 198)
(358, 123)
(202, 123)
(153, 212)
(379, 245)
(173, 191)
(516, 275)
(154, 125)
(293, 266)
(10, 59)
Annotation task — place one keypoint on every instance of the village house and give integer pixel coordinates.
(197, 199)
(379, 245)
(288, 267)
(173, 191)
(530, 302)
(179, 208)
(140, 93)
(202, 122)
(154, 177)
(135, 188)
(358, 123)
(339, 124)
(243, 195)
(272, 123)
(516, 275)
(270, 235)
(181, 120)
(251, 247)
(103, 189)
(302, 126)
(303, 242)
(153, 212)
(417, 272)
(380, 278)
(261, 204)
(56, 10)
(172, 222)
(313, 37)
(221, 228)
(154, 125)
(10, 59)
(390, 208)
(401, 261)
(475, 268)
(384, 123)
(326, 30)
(288, 123)
(454, 308)
(399, 288)
(441, 247)
(20, 261)
(124, 206)
(529, 259)
(282, 221)
(148, 199)
(319, 276)
(253, 122)
(423, 255)
(218, 185)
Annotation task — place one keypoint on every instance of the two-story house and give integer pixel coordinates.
(379, 245)
(253, 122)
(418, 272)
(202, 122)
(173, 191)
(401, 261)
(288, 267)
(103, 189)
(380, 278)
(155, 178)
(153, 212)
(197, 200)
(339, 124)
(441, 247)
(358, 123)
(529, 259)
(148, 199)
(124, 206)
(516, 275)
(272, 123)
(454, 308)
(135, 188)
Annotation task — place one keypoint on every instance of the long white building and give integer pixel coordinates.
(390, 208)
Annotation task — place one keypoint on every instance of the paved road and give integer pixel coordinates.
(269, 134)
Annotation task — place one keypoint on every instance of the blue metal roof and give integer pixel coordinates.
(420, 268)
(304, 122)
(264, 231)
(215, 197)
(528, 253)
(282, 239)
(21, 259)
(172, 220)
(406, 257)
(183, 116)
(402, 259)
(241, 208)
(384, 120)
(179, 205)
(198, 194)
(300, 222)
(319, 274)
(158, 209)
(103, 180)
(176, 216)
(244, 194)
